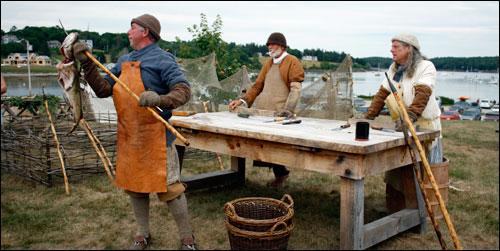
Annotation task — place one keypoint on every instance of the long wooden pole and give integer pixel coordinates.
(422, 188)
(218, 156)
(155, 114)
(428, 170)
(66, 185)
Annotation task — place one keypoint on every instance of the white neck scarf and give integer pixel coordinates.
(278, 60)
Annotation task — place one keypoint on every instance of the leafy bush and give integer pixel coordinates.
(447, 101)
(33, 105)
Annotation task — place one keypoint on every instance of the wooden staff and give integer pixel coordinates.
(100, 146)
(83, 125)
(218, 156)
(428, 170)
(57, 145)
(155, 114)
(422, 189)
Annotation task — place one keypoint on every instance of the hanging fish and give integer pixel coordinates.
(69, 79)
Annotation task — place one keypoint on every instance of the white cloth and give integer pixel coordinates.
(278, 60)
(425, 74)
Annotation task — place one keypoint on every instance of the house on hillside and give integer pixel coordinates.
(309, 58)
(18, 58)
(53, 44)
(9, 39)
(42, 60)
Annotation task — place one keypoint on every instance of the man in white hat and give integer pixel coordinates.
(415, 79)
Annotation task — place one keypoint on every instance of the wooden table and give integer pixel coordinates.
(311, 145)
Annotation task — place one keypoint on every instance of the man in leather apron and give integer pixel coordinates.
(415, 78)
(147, 160)
(278, 88)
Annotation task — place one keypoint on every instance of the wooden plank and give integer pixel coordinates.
(351, 214)
(391, 225)
(344, 164)
(385, 160)
(254, 111)
(316, 133)
(205, 180)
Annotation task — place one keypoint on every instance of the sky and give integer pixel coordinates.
(362, 29)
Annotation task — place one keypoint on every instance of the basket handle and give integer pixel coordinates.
(277, 225)
(229, 210)
(287, 196)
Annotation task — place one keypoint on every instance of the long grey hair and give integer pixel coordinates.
(414, 56)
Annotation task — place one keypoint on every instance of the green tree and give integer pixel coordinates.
(208, 39)
(12, 48)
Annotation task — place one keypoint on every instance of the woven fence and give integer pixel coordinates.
(29, 149)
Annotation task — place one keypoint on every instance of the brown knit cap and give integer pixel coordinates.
(150, 22)
(276, 38)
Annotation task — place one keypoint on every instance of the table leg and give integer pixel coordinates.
(238, 165)
(351, 213)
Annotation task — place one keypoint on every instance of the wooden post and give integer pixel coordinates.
(83, 125)
(351, 213)
(238, 165)
(58, 148)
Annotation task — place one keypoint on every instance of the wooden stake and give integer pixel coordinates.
(428, 170)
(58, 148)
(155, 114)
(83, 125)
(100, 146)
(218, 156)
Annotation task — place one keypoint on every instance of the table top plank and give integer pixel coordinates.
(311, 132)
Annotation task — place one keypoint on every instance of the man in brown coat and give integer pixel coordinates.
(278, 88)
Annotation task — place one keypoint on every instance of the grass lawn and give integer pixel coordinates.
(98, 216)
(33, 69)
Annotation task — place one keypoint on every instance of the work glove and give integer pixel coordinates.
(291, 101)
(79, 49)
(399, 124)
(285, 113)
(149, 99)
(366, 116)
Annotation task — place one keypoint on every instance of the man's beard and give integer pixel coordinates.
(275, 53)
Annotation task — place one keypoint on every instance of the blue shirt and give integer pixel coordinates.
(159, 73)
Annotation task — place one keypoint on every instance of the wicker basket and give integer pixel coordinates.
(272, 239)
(259, 223)
(259, 214)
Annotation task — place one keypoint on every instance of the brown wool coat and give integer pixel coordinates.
(290, 70)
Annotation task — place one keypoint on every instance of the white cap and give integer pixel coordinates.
(407, 38)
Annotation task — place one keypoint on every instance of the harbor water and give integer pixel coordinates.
(448, 84)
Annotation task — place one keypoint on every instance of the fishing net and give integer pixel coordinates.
(329, 96)
(201, 74)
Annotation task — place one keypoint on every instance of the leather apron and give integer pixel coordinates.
(275, 92)
(141, 140)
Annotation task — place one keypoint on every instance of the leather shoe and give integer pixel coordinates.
(140, 243)
(188, 245)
